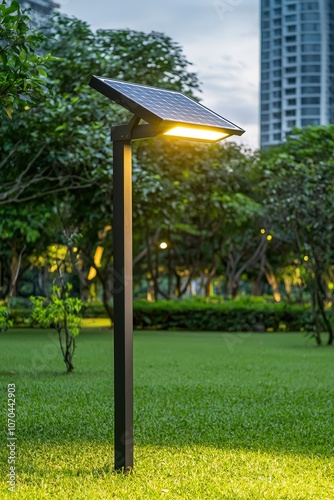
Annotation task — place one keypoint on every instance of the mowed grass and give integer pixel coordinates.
(217, 416)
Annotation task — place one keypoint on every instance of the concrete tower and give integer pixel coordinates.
(297, 66)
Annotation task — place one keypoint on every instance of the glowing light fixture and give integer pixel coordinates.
(163, 112)
(163, 245)
(200, 134)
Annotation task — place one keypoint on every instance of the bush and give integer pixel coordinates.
(227, 317)
(242, 315)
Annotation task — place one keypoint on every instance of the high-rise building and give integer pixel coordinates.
(297, 66)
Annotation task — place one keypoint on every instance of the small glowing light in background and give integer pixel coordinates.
(163, 245)
(263, 231)
(97, 262)
(306, 258)
(269, 237)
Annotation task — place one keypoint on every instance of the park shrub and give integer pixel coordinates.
(204, 315)
(229, 316)
(61, 312)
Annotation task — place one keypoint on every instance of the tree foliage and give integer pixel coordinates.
(23, 74)
(297, 178)
(61, 312)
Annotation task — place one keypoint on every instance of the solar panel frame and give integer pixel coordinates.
(161, 106)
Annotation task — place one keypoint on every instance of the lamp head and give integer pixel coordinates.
(165, 112)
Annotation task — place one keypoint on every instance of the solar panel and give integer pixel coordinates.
(157, 105)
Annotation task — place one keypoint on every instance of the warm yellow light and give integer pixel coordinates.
(196, 133)
(306, 258)
(98, 256)
(269, 237)
(163, 245)
(91, 274)
(263, 231)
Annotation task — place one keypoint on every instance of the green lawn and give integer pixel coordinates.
(217, 416)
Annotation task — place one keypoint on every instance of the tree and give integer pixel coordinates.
(297, 179)
(64, 154)
(201, 198)
(22, 69)
(61, 312)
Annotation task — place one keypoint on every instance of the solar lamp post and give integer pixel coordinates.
(156, 112)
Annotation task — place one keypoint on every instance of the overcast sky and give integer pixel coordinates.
(220, 38)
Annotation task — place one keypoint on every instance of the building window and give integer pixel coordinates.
(291, 19)
(291, 60)
(277, 94)
(310, 37)
(290, 49)
(277, 137)
(291, 81)
(309, 6)
(311, 47)
(277, 73)
(310, 100)
(310, 121)
(311, 79)
(311, 27)
(276, 104)
(310, 16)
(290, 91)
(310, 90)
(292, 102)
(290, 112)
(311, 68)
(291, 69)
(310, 111)
(291, 123)
(277, 126)
(311, 58)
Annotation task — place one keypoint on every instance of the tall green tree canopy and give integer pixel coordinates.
(298, 186)
(22, 67)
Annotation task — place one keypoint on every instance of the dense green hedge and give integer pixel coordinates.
(228, 316)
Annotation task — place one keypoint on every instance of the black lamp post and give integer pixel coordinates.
(155, 112)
